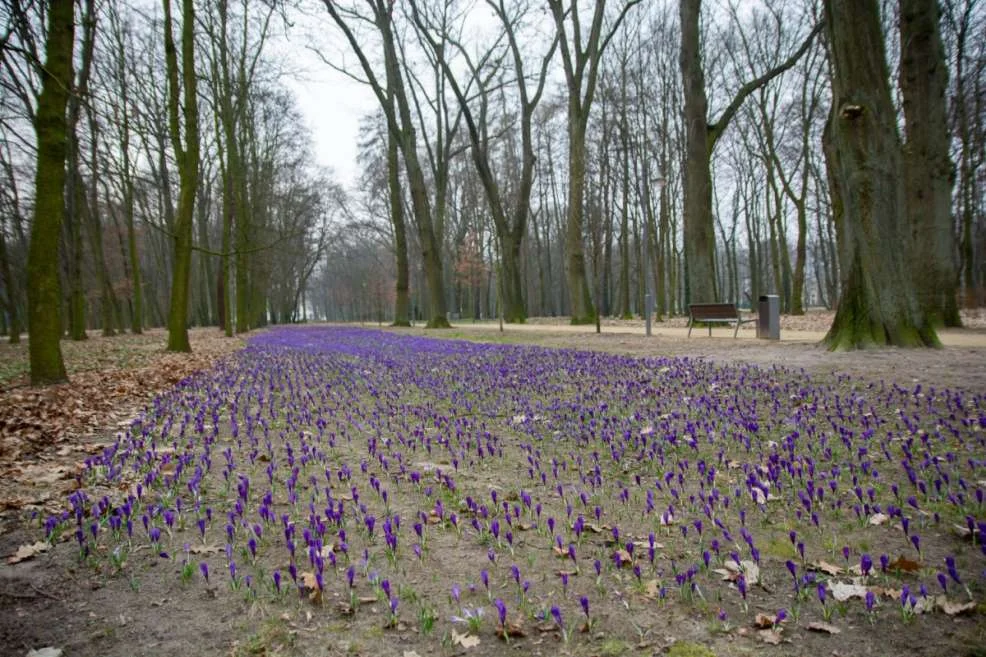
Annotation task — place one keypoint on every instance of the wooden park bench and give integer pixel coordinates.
(716, 313)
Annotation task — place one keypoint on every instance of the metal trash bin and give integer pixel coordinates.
(769, 317)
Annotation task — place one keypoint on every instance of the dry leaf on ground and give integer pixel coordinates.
(878, 519)
(772, 637)
(26, 552)
(464, 640)
(827, 628)
(45, 652)
(842, 591)
(905, 565)
(827, 568)
(954, 608)
(763, 621)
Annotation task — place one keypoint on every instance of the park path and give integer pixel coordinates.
(949, 337)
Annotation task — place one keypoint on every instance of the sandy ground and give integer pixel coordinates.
(960, 363)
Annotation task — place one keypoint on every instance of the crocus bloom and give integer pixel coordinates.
(865, 564)
(952, 572)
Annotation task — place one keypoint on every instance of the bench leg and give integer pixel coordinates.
(691, 321)
(709, 324)
(736, 332)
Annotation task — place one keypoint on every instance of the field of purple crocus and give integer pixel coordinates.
(404, 494)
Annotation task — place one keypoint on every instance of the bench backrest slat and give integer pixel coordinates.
(714, 311)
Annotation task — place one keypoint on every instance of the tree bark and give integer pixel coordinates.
(928, 168)
(9, 286)
(44, 313)
(402, 301)
(699, 237)
(187, 155)
(878, 304)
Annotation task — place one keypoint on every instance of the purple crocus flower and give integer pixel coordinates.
(952, 572)
(870, 600)
(865, 564)
(501, 609)
(204, 569)
(556, 614)
(584, 601)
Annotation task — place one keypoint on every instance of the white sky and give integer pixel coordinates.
(331, 102)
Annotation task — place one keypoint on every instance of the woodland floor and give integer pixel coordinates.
(49, 598)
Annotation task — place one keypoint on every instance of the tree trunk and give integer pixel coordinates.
(402, 301)
(699, 236)
(928, 170)
(9, 286)
(187, 155)
(878, 304)
(44, 302)
(581, 309)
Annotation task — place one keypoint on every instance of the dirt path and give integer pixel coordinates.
(961, 363)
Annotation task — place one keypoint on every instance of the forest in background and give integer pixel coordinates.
(529, 158)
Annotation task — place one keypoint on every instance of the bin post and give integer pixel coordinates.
(769, 317)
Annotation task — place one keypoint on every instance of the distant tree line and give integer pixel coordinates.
(157, 172)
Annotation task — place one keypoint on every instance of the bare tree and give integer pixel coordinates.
(702, 134)
(401, 123)
(581, 54)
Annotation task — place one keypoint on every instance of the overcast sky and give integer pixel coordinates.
(331, 102)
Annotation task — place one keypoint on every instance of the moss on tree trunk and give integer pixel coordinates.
(44, 302)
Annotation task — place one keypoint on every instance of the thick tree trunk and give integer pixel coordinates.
(699, 234)
(187, 155)
(928, 170)
(878, 304)
(581, 309)
(514, 308)
(44, 302)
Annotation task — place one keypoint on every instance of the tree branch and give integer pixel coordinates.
(718, 127)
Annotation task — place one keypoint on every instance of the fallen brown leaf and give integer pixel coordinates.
(772, 637)
(464, 640)
(763, 622)
(827, 568)
(903, 564)
(26, 552)
(826, 628)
